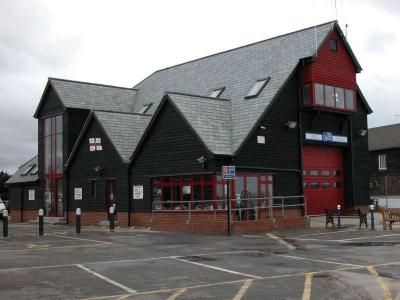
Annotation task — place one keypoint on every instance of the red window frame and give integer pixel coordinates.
(313, 102)
(215, 181)
(54, 132)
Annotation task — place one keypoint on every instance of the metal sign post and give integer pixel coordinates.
(228, 173)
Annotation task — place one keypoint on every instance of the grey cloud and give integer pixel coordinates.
(380, 41)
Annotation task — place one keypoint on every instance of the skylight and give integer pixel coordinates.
(34, 170)
(257, 87)
(27, 170)
(216, 93)
(145, 108)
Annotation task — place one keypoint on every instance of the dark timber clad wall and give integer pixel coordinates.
(82, 171)
(281, 149)
(392, 162)
(170, 148)
(15, 195)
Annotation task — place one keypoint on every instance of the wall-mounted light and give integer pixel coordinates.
(262, 127)
(202, 160)
(362, 132)
(98, 170)
(291, 124)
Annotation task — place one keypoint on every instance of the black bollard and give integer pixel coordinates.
(372, 208)
(40, 222)
(78, 221)
(338, 216)
(111, 219)
(5, 223)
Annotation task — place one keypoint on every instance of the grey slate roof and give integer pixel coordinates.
(210, 118)
(18, 178)
(123, 129)
(384, 137)
(84, 95)
(237, 70)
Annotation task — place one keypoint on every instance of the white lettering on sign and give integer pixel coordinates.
(339, 139)
(31, 195)
(313, 136)
(78, 193)
(138, 192)
(260, 139)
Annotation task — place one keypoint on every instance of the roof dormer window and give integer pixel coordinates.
(27, 170)
(145, 108)
(216, 93)
(257, 88)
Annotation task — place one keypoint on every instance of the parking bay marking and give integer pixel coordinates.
(81, 239)
(384, 287)
(307, 286)
(177, 293)
(280, 240)
(107, 279)
(216, 268)
(243, 289)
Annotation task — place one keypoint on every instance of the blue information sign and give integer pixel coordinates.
(327, 137)
(228, 172)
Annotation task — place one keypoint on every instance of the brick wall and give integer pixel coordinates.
(28, 215)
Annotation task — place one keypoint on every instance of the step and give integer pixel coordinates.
(51, 220)
(107, 223)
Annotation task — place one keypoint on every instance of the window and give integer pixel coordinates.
(333, 45)
(216, 93)
(34, 170)
(334, 97)
(27, 170)
(93, 189)
(257, 88)
(382, 161)
(314, 172)
(319, 94)
(53, 145)
(306, 94)
(145, 108)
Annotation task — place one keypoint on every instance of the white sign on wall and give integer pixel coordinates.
(260, 139)
(326, 137)
(138, 192)
(31, 195)
(78, 193)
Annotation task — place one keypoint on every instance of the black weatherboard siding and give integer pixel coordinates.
(82, 170)
(280, 154)
(170, 148)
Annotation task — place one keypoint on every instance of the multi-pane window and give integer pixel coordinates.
(53, 145)
(209, 191)
(382, 161)
(333, 45)
(329, 96)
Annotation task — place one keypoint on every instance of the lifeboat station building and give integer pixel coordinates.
(286, 112)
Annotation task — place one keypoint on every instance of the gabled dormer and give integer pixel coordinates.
(328, 78)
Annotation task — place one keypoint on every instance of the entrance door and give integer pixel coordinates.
(53, 198)
(323, 178)
(110, 197)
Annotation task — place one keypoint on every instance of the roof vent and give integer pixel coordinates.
(257, 88)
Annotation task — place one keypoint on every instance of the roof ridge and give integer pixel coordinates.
(92, 83)
(198, 96)
(247, 45)
(395, 124)
(121, 112)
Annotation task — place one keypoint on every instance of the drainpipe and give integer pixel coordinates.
(129, 197)
(22, 203)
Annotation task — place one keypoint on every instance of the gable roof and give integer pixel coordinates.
(85, 95)
(384, 137)
(237, 70)
(209, 117)
(18, 176)
(124, 131)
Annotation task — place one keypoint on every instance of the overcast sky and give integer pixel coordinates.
(122, 42)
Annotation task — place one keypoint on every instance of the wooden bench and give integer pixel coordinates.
(390, 215)
(331, 214)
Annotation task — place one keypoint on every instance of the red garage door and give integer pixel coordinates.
(323, 178)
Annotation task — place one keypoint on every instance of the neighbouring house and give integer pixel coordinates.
(286, 112)
(384, 162)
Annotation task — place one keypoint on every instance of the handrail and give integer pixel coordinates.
(241, 207)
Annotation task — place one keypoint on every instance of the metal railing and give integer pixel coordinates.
(241, 209)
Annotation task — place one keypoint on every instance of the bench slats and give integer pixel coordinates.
(390, 215)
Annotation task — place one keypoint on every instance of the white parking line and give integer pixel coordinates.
(79, 239)
(107, 279)
(217, 268)
(317, 260)
(283, 242)
(322, 233)
(371, 237)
